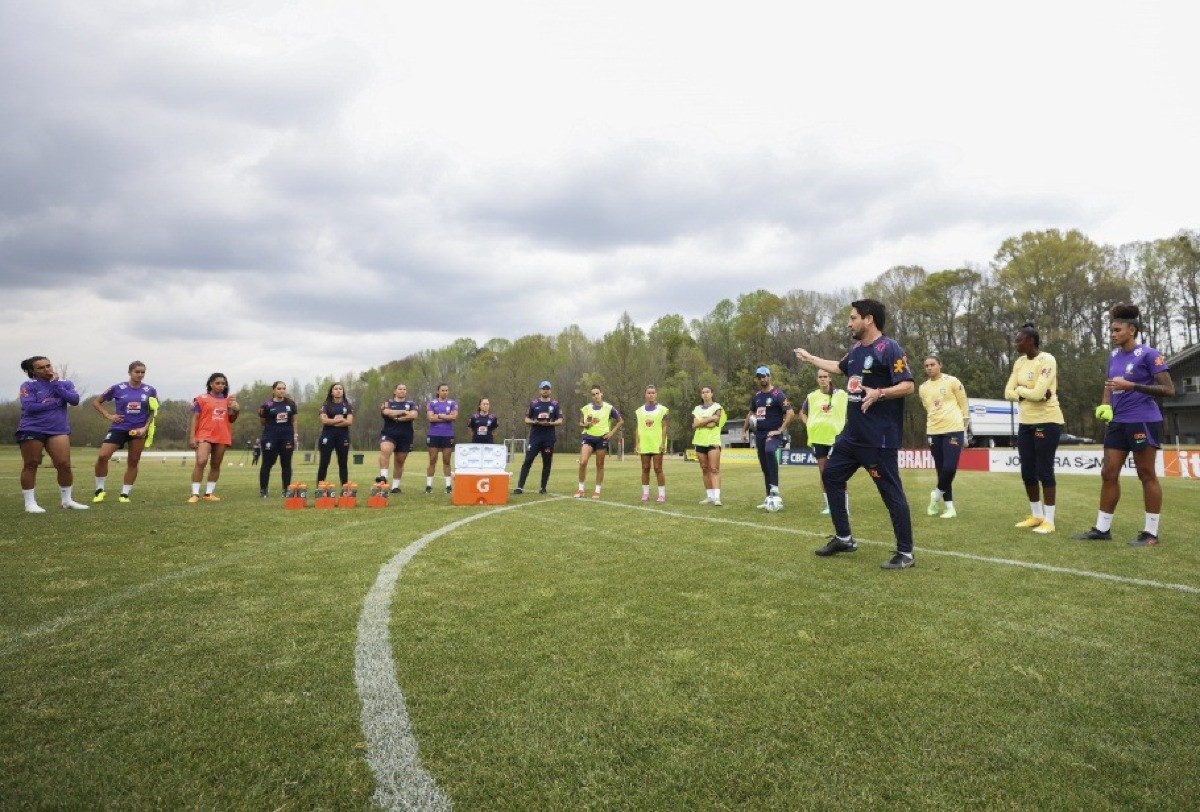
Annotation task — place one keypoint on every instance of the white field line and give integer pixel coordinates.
(400, 781)
(1007, 562)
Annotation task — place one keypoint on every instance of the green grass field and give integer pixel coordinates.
(563, 655)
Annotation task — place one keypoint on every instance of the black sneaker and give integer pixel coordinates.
(836, 545)
(542, 491)
(262, 493)
(381, 480)
(428, 489)
(396, 489)
(1095, 535)
(1144, 539)
(899, 561)
(518, 490)
(449, 489)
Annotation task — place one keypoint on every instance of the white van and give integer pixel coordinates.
(993, 422)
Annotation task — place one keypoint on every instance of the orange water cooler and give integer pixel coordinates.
(479, 475)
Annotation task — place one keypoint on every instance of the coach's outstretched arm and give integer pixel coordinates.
(804, 356)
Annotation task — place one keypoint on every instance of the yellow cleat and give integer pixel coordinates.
(1029, 521)
(1045, 528)
(193, 499)
(211, 497)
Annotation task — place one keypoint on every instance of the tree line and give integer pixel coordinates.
(1062, 282)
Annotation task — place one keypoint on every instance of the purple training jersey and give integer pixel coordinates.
(877, 365)
(442, 407)
(44, 406)
(131, 404)
(1139, 365)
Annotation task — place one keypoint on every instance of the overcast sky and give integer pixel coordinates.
(293, 189)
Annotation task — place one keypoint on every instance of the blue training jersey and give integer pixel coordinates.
(880, 364)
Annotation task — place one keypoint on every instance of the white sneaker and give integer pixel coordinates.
(73, 505)
(34, 508)
(763, 506)
(708, 500)
(716, 502)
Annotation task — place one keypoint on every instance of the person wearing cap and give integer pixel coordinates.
(1137, 376)
(542, 417)
(770, 412)
(878, 380)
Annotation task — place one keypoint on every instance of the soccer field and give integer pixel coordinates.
(560, 654)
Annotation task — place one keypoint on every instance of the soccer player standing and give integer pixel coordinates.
(278, 442)
(396, 437)
(1034, 385)
(1137, 376)
(824, 416)
(599, 421)
(770, 413)
(878, 380)
(650, 442)
(337, 416)
(134, 403)
(44, 427)
(441, 412)
(707, 419)
(210, 432)
(542, 417)
(946, 414)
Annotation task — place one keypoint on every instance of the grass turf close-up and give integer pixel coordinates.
(593, 654)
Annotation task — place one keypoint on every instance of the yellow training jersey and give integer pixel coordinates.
(945, 402)
(825, 415)
(708, 435)
(1031, 380)
(651, 429)
(599, 420)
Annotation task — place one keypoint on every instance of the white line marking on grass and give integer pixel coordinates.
(400, 781)
(1008, 562)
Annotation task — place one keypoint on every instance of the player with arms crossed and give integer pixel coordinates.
(878, 381)
(1137, 376)
(396, 438)
(135, 405)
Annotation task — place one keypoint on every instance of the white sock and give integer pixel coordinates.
(65, 493)
(428, 482)
(126, 490)
(581, 484)
(1049, 509)
(1152, 524)
(30, 497)
(774, 490)
(662, 490)
(825, 496)
(100, 480)
(395, 483)
(597, 489)
(209, 488)
(195, 489)
(1103, 521)
(950, 505)
(645, 490)
(383, 472)
(937, 494)
(1035, 510)
(717, 494)
(449, 481)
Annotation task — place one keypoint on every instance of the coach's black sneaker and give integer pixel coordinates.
(449, 489)
(518, 490)
(262, 493)
(1095, 535)
(836, 545)
(900, 561)
(396, 489)
(428, 489)
(1144, 539)
(542, 491)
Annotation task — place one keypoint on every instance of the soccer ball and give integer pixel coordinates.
(774, 504)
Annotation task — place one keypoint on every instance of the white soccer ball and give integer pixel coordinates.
(774, 504)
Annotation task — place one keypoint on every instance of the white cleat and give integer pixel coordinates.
(708, 500)
(73, 505)
(34, 508)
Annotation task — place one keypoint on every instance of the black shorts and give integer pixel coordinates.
(597, 443)
(821, 451)
(271, 444)
(440, 442)
(704, 449)
(1133, 437)
(119, 437)
(26, 436)
(402, 445)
